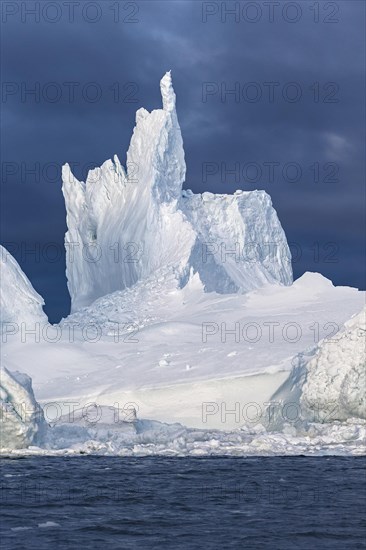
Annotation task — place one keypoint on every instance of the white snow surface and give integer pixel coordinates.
(19, 302)
(168, 354)
(126, 224)
(184, 355)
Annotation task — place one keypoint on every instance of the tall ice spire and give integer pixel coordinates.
(167, 92)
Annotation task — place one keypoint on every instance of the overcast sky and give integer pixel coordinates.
(294, 126)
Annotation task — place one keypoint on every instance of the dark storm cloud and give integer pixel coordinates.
(172, 35)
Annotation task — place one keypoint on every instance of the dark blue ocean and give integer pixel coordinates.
(183, 503)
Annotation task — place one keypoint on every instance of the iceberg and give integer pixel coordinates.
(183, 310)
(125, 224)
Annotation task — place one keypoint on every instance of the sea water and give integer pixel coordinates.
(183, 503)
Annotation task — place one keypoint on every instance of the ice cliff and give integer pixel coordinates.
(21, 418)
(19, 302)
(327, 383)
(125, 224)
(336, 375)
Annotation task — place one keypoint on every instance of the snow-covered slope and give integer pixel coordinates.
(19, 302)
(21, 419)
(125, 225)
(201, 359)
(170, 350)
